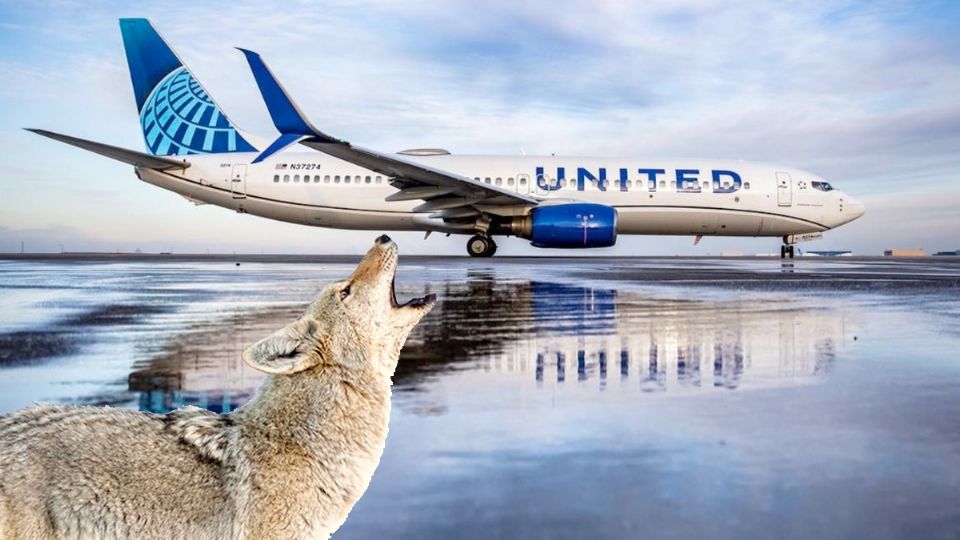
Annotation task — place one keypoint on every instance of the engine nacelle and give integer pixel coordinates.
(574, 225)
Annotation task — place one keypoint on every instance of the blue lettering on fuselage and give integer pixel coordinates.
(583, 175)
(687, 180)
(546, 183)
(734, 184)
(652, 177)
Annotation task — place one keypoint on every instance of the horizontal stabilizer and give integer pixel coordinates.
(137, 159)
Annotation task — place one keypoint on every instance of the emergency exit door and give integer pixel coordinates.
(523, 183)
(238, 182)
(784, 189)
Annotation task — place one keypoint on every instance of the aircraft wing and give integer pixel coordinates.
(137, 159)
(418, 181)
(443, 192)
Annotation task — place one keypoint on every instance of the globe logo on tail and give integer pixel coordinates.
(179, 118)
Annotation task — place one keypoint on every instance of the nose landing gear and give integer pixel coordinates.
(481, 245)
(786, 249)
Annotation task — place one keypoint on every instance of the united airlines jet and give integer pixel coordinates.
(555, 201)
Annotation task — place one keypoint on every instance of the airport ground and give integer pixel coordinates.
(562, 397)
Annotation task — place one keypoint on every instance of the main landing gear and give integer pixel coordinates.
(481, 245)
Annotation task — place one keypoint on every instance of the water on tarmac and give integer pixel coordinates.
(564, 398)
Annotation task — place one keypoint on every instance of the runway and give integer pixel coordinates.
(562, 397)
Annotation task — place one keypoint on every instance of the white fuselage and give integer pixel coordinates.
(319, 190)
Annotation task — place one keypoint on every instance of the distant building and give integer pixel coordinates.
(948, 253)
(904, 252)
(829, 253)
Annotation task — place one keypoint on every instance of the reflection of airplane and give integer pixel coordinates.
(563, 332)
(552, 333)
(556, 202)
(683, 345)
(202, 367)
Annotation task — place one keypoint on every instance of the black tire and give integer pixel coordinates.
(479, 246)
(493, 248)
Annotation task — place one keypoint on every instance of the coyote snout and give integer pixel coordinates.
(371, 324)
(289, 464)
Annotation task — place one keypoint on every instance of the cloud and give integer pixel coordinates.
(863, 93)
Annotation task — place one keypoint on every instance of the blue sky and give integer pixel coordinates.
(863, 93)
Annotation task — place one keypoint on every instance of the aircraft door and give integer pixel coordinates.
(784, 189)
(523, 183)
(238, 182)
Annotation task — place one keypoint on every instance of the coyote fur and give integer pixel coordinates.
(291, 463)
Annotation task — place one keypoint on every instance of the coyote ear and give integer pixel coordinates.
(287, 351)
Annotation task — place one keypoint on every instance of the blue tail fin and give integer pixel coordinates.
(176, 114)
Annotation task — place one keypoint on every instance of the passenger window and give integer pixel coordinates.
(509, 181)
(523, 181)
(378, 179)
(663, 184)
(336, 179)
(367, 180)
(276, 178)
(296, 179)
(746, 185)
(286, 178)
(477, 178)
(487, 180)
(346, 179)
(706, 186)
(316, 179)
(326, 179)
(652, 185)
(498, 181)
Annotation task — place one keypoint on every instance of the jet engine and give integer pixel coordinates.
(574, 225)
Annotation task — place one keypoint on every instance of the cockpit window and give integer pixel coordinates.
(822, 186)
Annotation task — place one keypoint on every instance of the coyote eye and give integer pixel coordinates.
(345, 292)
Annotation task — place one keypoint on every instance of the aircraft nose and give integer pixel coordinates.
(383, 239)
(853, 208)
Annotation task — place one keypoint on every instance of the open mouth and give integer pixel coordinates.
(413, 302)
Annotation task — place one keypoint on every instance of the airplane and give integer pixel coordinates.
(569, 202)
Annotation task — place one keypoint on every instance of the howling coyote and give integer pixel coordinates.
(288, 464)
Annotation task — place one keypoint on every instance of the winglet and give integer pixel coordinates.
(287, 117)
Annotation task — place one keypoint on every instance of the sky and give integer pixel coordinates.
(866, 94)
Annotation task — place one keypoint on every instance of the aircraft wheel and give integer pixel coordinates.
(480, 246)
(493, 248)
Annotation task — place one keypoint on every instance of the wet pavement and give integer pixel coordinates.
(564, 398)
